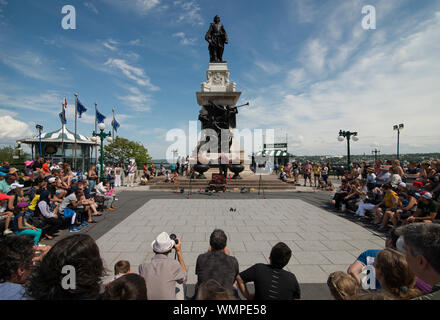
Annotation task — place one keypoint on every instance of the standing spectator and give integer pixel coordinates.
(343, 286)
(307, 171)
(316, 173)
(394, 275)
(270, 280)
(422, 247)
(217, 264)
(118, 173)
(92, 177)
(79, 251)
(295, 169)
(324, 174)
(16, 253)
(163, 274)
(131, 172)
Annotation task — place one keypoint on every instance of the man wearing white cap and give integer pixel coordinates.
(426, 209)
(163, 274)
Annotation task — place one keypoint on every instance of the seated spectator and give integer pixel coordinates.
(413, 172)
(270, 280)
(79, 251)
(397, 168)
(384, 176)
(21, 227)
(343, 286)
(417, 189)
(51, 217)
(422, 247)
(5, 184)
(127, 287)
(5, 213)
(395, 178)
(372, 296)
(407, 206)
(217, 264)
(339, 196)
(101, 191)
(402, 187)
(427, 209)
(357, 194)
(283, 176)
(16, 253)
(389, 203)
(394, 275)
(212, 290)
(66, 208)
(122, 267)
(163, 274)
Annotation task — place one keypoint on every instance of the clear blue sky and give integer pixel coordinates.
(307, 67)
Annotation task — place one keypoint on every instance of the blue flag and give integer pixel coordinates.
(99, 116)
(80, 108)
(115, 125)
(63, 117)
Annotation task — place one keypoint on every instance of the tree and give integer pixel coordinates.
(123, 149)
(7, 153)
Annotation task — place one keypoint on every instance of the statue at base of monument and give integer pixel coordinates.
(217, 38)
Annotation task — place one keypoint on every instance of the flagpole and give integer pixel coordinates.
(96, 130)
(62, 126)
(113, 127)
(76, 112)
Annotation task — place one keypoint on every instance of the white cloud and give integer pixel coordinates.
(12, 129)
(91, 7)
(183, 39)
(133, 73)
(189, 12)
(314, 55)
(268, 67)
(30, 64)
(136, 100)
(138, 6)
(389, 82)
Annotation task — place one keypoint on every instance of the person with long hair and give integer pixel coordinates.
(394, 275)
(79, 251)
(128, 287)
(343, 286)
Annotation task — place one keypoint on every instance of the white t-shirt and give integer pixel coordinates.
(371, 178)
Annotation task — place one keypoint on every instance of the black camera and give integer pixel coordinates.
(173, 237)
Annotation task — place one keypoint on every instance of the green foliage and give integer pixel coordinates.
(7, 153)
(123, 149)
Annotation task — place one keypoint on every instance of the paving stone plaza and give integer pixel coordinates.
(321, 242)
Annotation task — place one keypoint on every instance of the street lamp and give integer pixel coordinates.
(102, 135)
(398, 128)
(347, 135)
(39, 128)
(375, 152)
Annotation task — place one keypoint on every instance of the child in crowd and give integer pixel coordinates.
(342, 286)
(128, 287)
(122, 267)
(21, 227)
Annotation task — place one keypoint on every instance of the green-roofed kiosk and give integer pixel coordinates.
(52, 147)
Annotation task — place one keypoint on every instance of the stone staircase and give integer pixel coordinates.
(249, 180)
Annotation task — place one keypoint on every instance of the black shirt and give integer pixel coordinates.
(427, 209)
(272, 283)
(218, 266)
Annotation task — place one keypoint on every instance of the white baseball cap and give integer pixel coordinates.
(163, 243)
(16, 185)
(52, 180)
(402, 184)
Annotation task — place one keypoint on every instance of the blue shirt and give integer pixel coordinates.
(363, 258)
(12, 291)
(15, 222)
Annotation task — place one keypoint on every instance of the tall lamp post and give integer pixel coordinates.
(102, 135)
(375, 152)
(347, 135)
(39, 128)
(398, 128)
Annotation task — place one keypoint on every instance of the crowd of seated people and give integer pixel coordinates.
(56, 198)
(408, 268)
(391, 194)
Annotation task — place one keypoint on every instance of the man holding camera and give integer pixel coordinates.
(164, 276)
